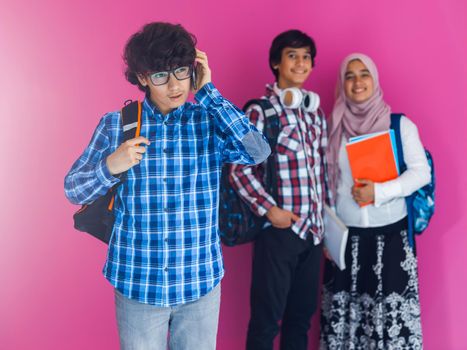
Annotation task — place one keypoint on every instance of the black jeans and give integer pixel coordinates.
(284, 287)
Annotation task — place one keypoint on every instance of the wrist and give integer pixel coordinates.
(104, 175)
(204, 82)
(208, 94)
(108, 164)
(270, 212)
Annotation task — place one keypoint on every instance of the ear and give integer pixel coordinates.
(142, 80)
(274, 65)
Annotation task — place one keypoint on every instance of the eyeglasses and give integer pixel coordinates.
(161, 78)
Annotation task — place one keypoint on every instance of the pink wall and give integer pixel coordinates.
(61, 70)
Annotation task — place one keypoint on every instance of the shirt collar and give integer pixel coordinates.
(154, 112)
(270, 90)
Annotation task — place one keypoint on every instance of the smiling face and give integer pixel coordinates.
(168, 96)
(294, 68)
(358, 82)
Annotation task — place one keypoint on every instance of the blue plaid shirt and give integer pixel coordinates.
(165, 248)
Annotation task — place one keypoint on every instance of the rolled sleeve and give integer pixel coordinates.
(104, 176)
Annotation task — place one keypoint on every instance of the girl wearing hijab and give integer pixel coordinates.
(374, 302)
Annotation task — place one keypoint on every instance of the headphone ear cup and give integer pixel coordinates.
(311, 102)
(291, 98)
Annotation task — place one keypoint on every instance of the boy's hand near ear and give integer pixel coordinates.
(203, 73)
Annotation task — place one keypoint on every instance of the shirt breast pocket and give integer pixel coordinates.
(288, 141)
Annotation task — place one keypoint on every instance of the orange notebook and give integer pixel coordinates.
(373, 157)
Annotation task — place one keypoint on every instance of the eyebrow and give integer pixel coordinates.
(294, 50)
(361, 71)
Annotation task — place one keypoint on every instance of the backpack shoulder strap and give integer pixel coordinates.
(131, 120)
(131, 124)
(265, 104)
(271, 131)
(396, 126)
(271, 119)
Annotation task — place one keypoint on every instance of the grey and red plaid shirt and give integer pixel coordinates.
(301, 164)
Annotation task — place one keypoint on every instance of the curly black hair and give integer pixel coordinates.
(291, 38)
(156, 47)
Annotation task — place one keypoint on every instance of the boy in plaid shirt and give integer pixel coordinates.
(287, 253)
(164, 257)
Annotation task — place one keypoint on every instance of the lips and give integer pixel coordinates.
(299, 72)
(175, 97)
(358, 91)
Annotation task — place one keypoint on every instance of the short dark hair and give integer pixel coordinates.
(158, 46)
(291, 38)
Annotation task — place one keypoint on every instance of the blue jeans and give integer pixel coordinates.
(187, 326)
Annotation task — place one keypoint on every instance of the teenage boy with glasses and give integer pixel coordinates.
(287, 252)
(164, 257)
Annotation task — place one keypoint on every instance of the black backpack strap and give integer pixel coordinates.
(131, 120)
(271, 119)
(271, 131)
(131, 124)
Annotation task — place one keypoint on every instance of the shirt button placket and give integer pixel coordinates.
(166, 239)
(166, 209)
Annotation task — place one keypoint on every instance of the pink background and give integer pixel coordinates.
(61, 69)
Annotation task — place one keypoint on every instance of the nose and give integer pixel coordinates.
(358, 80)
(300, 61)
(173, 82)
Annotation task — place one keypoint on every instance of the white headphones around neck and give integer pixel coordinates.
(294, 98)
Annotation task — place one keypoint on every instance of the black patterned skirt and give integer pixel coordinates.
(374, 302)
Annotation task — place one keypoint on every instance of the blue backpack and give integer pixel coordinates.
(421, 203)
(237, 223)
